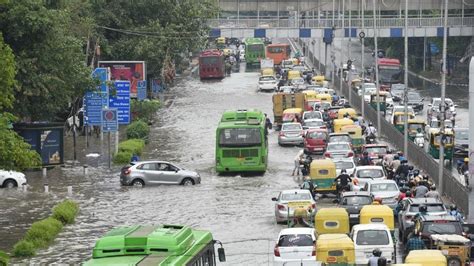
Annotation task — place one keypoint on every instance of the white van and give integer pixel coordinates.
(368, 237)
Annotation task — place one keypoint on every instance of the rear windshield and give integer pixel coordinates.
(340, 138)
(338, 147)
(267, 78)
(430, 208)
(317, 135)
(368, 173)
(291, 127)
(314, 124)
(295, 240)
(372, 237)
(297, 196)
(312, 115)
(383, 187)
(357, 200)
(377, 150)
(442, 228)
(344, 165)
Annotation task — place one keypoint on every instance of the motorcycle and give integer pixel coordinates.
(305, 165)
(370, 139)
(419, 140)
(466, 178)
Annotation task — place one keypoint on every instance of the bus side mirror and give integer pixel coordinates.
(221, 254)
(274, 199)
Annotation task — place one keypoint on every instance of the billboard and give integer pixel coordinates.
(132, 71)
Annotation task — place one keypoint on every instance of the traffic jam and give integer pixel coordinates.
(359, 200)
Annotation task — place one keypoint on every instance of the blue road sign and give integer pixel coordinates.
(109, 120)
(101, 73)
(141, 90)
(93, 104)
(121, 100)
(156, 86)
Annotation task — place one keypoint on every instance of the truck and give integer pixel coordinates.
(266, 63)
(282, 101)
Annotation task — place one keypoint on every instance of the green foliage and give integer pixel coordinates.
(144, 110)
(7, 75)
(133, 146)
(43, 232)
(15, 153)
(4, 258)
(138, 130)
(24, 248)
(66, 211)
(122, 157)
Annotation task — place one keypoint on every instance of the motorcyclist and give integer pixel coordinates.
(465, 166)
(419, 138)
(325, 114)
(403, 170)
(396, 162)
(400, 155)
(370, 131)
(365, 159)
(453, 211)
(307, 184)
(376, 255)
(344, 180)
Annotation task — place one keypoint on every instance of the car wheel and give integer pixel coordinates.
(187, 182)
(138, 183)
(10, 184)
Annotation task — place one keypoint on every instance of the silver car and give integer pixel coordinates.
(156, 173)
(387, 190)
(337, 150)
(297, 196)
(291, 134)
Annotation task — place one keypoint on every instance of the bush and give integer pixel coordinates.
(138, 130)
(43, 232)
(144, 110)
(66, 211)
(122, 157)
(4, 258)
(24, 248)
(133, 146)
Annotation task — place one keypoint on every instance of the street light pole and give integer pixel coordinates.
(349, 69)
(405, 98)
(443, 98)
(362, 59)
(376, 69)
(342, 49)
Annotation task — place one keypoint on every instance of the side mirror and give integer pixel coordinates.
(430, 105)
(274, 199)
(455, 105)
(221, 254)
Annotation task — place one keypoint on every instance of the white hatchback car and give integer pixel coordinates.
(368, 237)
(11, 179)
(295, 246)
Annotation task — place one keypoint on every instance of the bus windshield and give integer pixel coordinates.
(275, 50)
(209, 60)
(255, 47)
(390, 74)
(240, 137)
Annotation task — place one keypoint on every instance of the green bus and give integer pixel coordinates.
(241, 142)
(254, 50)
(156, 245)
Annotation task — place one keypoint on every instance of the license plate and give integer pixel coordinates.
(354, 215)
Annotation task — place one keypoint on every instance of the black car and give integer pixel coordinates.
(440, 225)
(416, 101)
(353, 202)
(461, 142)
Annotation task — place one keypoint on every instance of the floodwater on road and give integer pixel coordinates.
(237, 210)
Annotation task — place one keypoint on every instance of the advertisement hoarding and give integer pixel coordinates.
(132, 71)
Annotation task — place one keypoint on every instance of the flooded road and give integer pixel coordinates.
(238, 210)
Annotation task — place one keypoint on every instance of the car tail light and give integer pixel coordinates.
(281, 134)
(127, 171)
(408, 217)
(350, 154)
(281, 207)
(313, 206)
(313, 252)
(327, 154)
(302, 133)
(276, 251)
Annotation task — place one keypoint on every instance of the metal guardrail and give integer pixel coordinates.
(275, 22)
(452, 188)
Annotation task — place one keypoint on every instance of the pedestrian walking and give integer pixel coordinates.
(298, 159)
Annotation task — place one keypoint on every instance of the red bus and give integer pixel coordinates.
(390, 72)
(211, 64)
(278, 52)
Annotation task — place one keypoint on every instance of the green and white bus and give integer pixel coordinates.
(241, 142)
(254, 50)
(156, 245)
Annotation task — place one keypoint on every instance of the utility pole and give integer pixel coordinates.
(471, 136)
(362, 37)
(405, 93)
(349, 70)
(342, 49)
(376, 69)
(443, 98)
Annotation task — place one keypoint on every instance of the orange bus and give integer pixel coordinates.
(278, 52)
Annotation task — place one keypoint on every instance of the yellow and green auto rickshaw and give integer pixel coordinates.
(355, 132)
(291, 113)
(318, 80)
(427, 257)
(381, 101)
(377, 214)
(310, 95)
(349, 111)
(435, 142)
(324, 97)
(413, 126)
(220, 42)
(267, 72)
(322, 173)
(331, 221)
(339, 123)
(398, 119)
(335, 249)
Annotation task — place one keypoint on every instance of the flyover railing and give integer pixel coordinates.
(452, 187)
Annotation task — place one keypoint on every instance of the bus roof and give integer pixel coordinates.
(253, 41)
(211, 52)
(278, 45)
(250, 116)
(389, 61)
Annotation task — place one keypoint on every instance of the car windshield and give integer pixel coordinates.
(267, 78)
(292, 126)
(429, 208)
(414, 97)
(296, 196)
(300, 240)
(344, 165)
(461, 134)
(317, 135)
(415, 127)
(383, 187)
(377, 150)
(369, 86)
(239, 137)
(313, 123)
(372, 237)
(312, 115)
(340, 138)
(357, 200)
(338, 147)
(442, 227)
(368, 173)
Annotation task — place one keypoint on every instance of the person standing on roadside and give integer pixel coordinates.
(299, 157)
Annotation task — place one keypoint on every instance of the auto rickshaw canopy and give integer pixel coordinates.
(331, 221)
(310, 95)
(331, 241)
(377, 214)
(322, 168)
(435, 137)
(339, 123)
(354, 131)
(324, 97)
(350, 111)
(427, 257)
(337, 249)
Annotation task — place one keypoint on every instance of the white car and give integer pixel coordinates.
(368, 237)
(314, 123)
(11, 179)
(450, 106)
(370, 172)
(339, 150)
(302, 196)
(387, 190)
(312, 115)
(267, 83)
(295, 246)
(347, 163)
